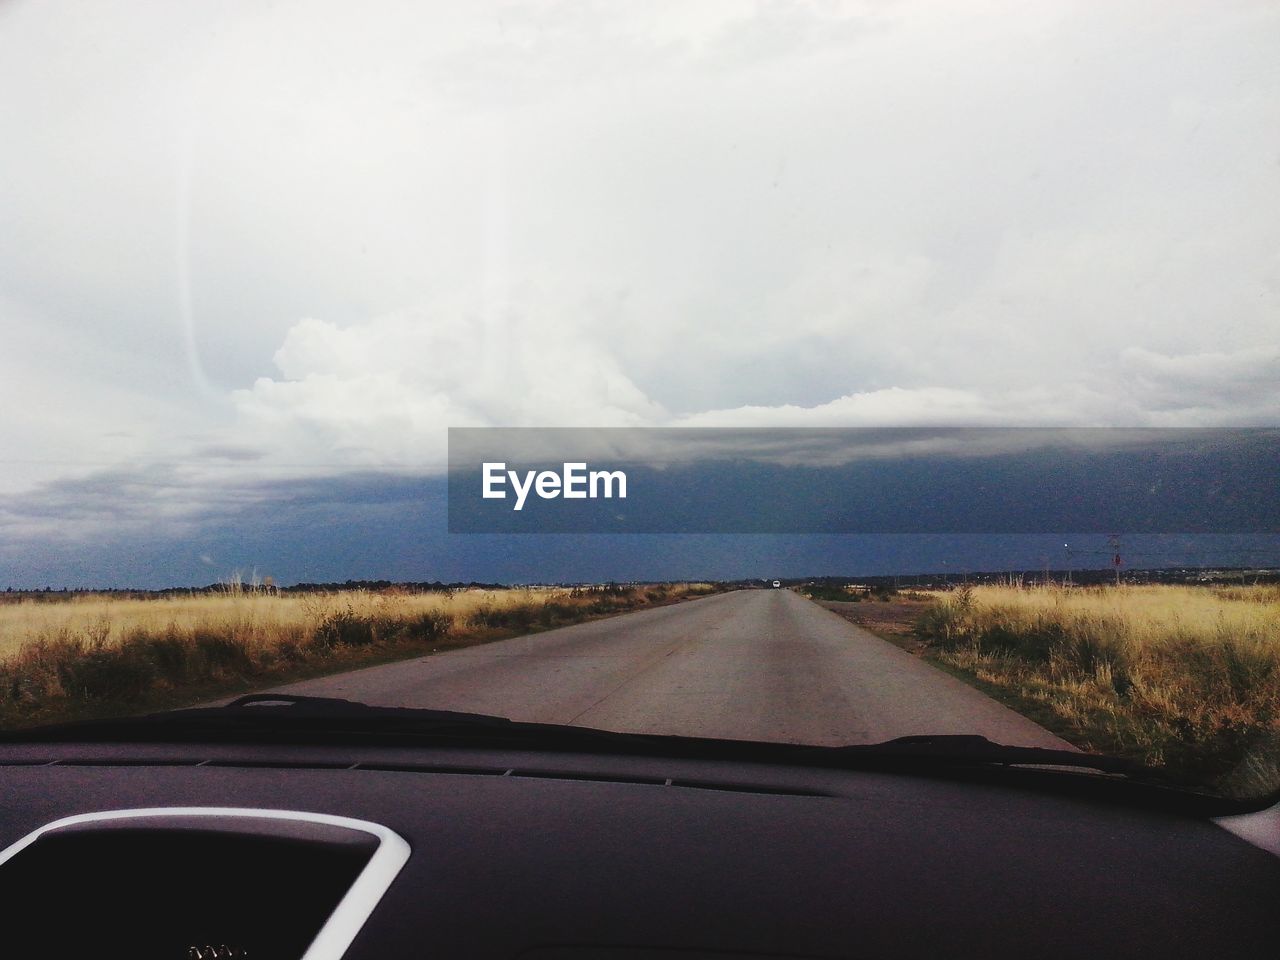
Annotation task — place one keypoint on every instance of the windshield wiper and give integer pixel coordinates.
(971, 749)
(285, 718)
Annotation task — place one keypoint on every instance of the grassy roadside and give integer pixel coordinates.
(95, 657)
(894, 621)
(1182, 677)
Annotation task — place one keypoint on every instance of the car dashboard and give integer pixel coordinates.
(228, 850)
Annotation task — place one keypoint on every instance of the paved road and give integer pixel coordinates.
(755, 664)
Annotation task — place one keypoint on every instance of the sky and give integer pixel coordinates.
(259, 256)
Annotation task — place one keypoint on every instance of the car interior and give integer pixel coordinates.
(378, 833)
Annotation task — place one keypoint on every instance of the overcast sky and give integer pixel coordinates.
(245, 243)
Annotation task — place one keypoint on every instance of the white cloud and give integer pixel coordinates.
(693, 213)
(894, 406)
(382, 392)
(1241, 387)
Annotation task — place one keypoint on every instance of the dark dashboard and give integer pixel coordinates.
(527, 853)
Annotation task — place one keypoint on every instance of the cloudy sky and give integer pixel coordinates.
(251, 249)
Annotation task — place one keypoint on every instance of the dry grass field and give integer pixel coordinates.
(95, 655)
(1187, 677)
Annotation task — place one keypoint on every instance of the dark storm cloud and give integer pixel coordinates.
(107, 530)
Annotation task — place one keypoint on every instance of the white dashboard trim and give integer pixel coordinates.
(1261, 828)
(352, 911)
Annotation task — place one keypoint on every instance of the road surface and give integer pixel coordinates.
(753, 664)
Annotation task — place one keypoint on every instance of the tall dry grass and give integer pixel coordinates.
(96, 654)
(1186, 677)
(262, 617)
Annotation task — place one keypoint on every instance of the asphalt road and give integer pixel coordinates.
(755, 664)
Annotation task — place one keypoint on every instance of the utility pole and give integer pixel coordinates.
(1070, 565)
(1113, 542)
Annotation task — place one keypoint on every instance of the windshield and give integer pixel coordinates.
(818, 373)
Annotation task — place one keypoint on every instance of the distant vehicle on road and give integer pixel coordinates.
(777, 583)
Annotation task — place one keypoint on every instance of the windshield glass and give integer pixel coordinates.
(809, 372)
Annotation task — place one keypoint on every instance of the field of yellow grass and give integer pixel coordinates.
(94, 654)
(1180, 676)
(260, 617)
